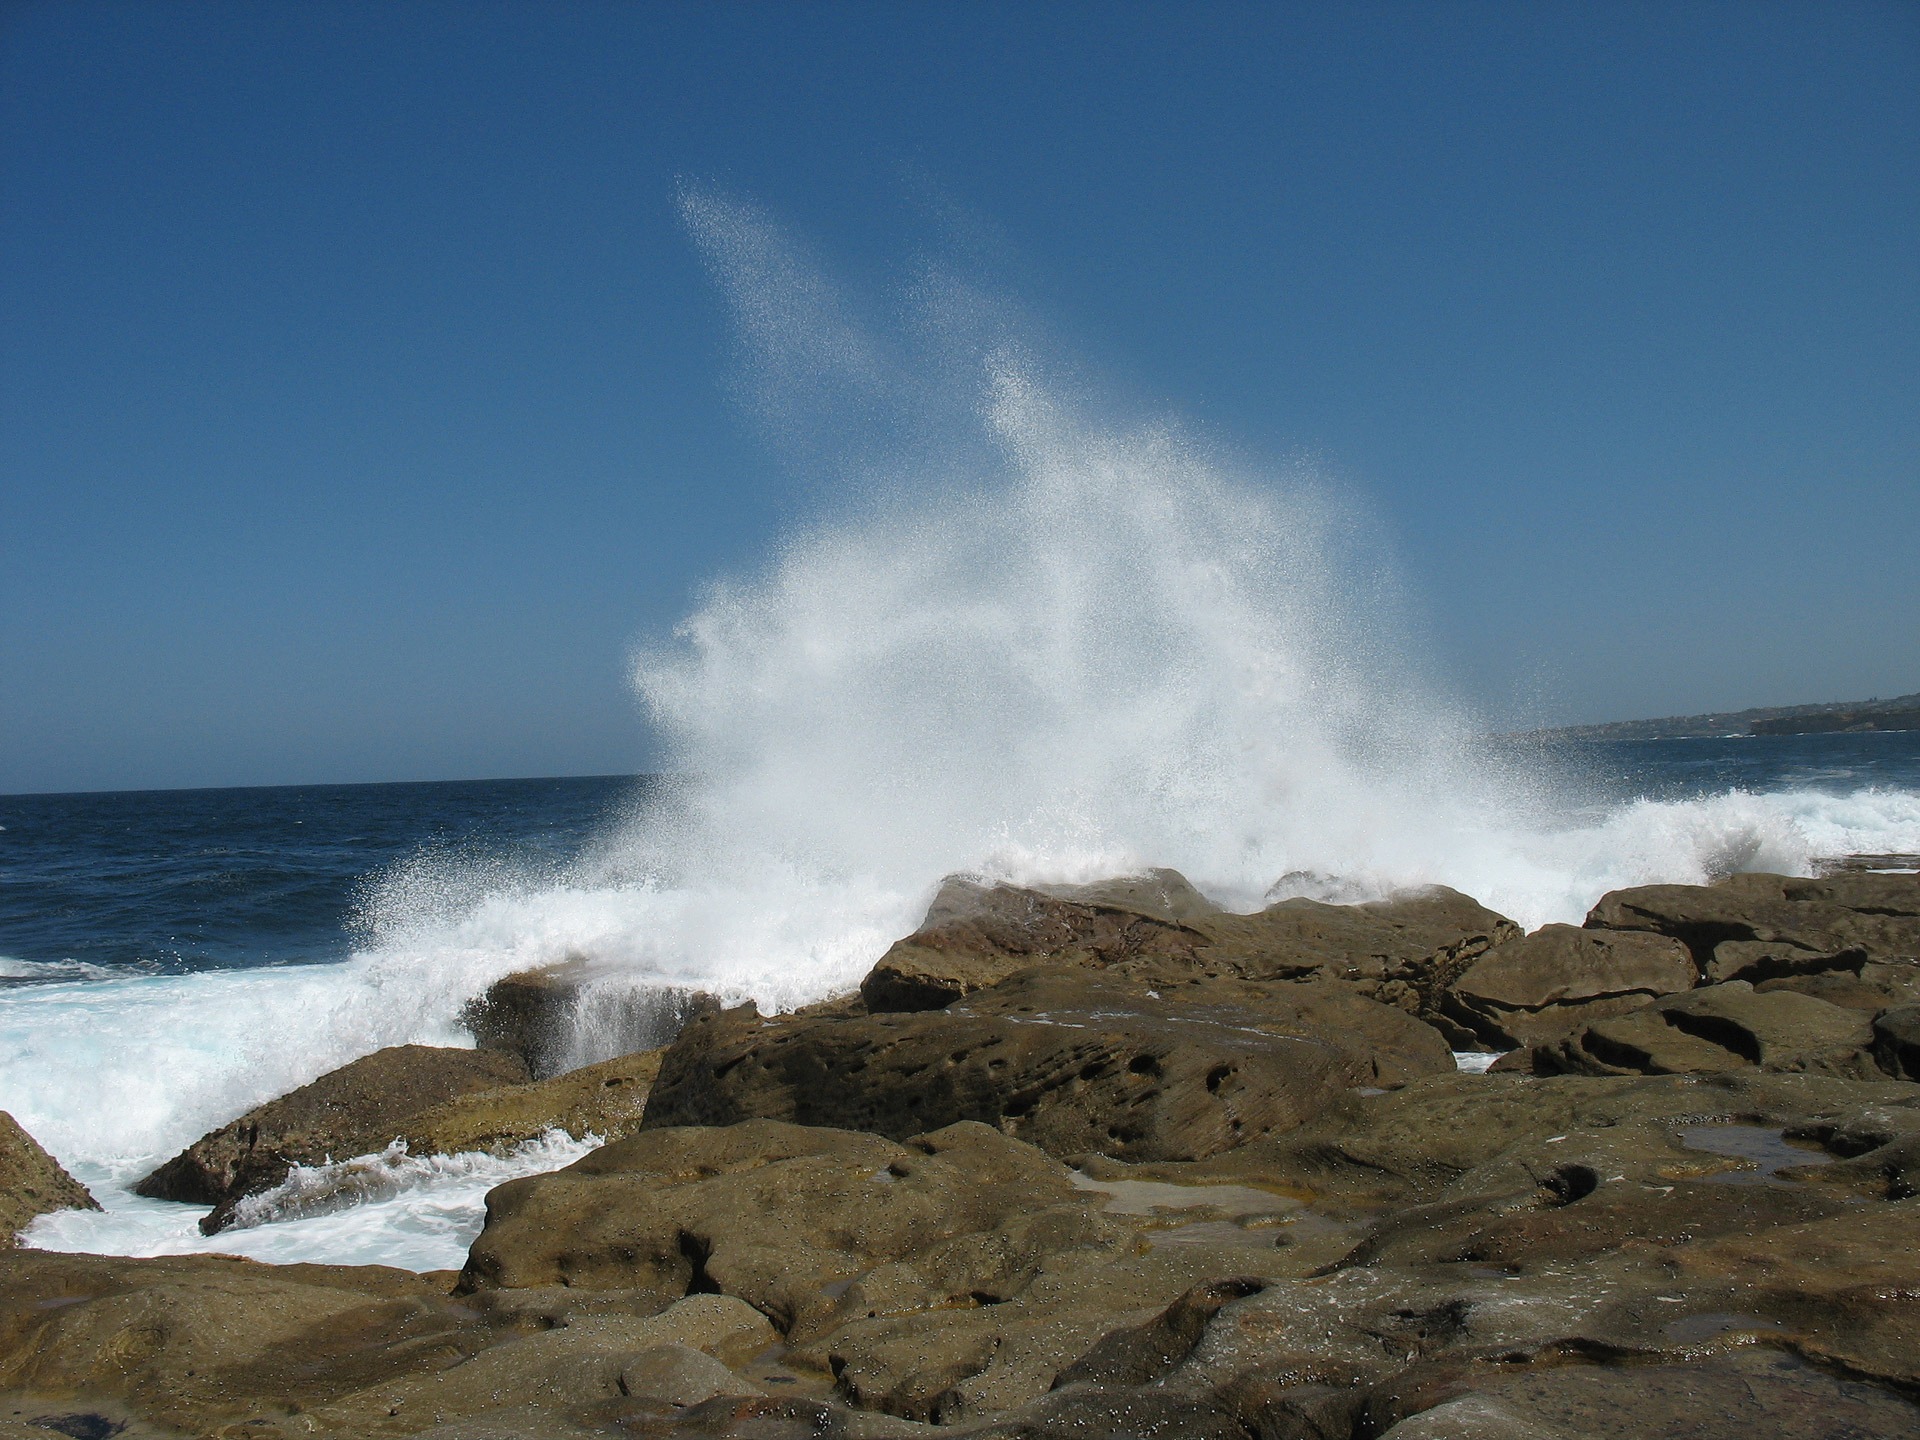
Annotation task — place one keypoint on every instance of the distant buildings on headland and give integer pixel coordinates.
(1835, 717)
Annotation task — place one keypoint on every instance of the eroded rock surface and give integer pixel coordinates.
(1544, 985)
(1721, 1027)
(1778, 924)
(1071, 1060)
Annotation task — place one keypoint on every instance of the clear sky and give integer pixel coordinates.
(363, 400)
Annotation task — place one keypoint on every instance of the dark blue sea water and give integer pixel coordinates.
(173, 881)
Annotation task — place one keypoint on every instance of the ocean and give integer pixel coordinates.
(168, 958)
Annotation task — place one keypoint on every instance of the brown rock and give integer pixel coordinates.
(1070, 1060)
(1875, 986)
(1896, 1042)
(1159, 929)
(607, 1100)
(786, 1217)
(1804, 923)
(574, 1014)
(355, 1110)
(31, 1182)
(1716, 1028)
(1544, 985)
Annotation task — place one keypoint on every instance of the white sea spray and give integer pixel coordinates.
(1036, 639)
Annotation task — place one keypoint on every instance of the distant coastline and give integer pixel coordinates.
(1833, 717)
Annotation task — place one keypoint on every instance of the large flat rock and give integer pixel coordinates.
(1157, 927)
(1778, 924)
(1074, 1061)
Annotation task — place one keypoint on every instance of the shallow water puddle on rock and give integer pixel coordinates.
(1768, 1149)
(1692, 1329)
(1240, 1203)
(1226, 1214)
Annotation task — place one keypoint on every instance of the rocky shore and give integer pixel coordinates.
(1101, 1161)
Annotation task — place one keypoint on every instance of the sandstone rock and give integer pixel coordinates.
(32, 1182)
(1720, 1027)
(1756, 961)
(680, 1375)
(1544, 985)
(607, 1100)
(785, 1216)
(193, 1342)
(1730, 1397)
(1157, 928)
(1873, 987)
(574, 1014)
(1896, 1042)
(1069, 1060)
(354, 1110)
(1554, 1257)
(1805, 922)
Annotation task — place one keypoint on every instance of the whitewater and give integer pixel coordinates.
(1064, 645)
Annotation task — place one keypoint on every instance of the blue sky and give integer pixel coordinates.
(364, 402)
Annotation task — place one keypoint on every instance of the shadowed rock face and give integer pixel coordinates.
(1069, 1060)
(31, 1182)
(1717, 1028)
(354, 1110)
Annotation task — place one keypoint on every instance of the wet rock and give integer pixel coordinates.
(1070, 1060)
(1720, 1027)
(1545, 985)
(566, 1016)
(31, 1182)
(355, 1110)
(607, 1100)
(1799, 923)
(1157, 928)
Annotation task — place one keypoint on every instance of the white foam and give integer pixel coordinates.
(415, 1212)
(12, 969)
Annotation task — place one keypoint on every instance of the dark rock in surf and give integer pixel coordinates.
(1070, 1060)
(32, 1183)
(1157, 928)
(354, 1110)
(1545, 985)
(572, 1014)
